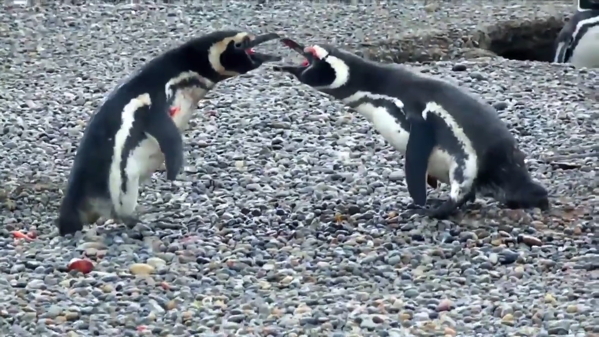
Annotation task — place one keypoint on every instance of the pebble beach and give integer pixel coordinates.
(287, 220)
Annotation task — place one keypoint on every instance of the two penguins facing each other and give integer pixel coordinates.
(443, 132)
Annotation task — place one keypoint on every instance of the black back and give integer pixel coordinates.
(479, 120)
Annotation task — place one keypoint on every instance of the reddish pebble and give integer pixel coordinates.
(165, 286)
(81, 265)
(445, 305)
(19, 235)
(141, 328)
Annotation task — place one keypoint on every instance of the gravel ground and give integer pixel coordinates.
(300, 235)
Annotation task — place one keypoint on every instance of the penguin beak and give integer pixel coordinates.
(256, 57)
(298, 48)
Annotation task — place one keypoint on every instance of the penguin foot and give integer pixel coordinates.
(443, 209)
(441, 212)
(140, 231)
(129, 221)
(434, 202)
(430, 202)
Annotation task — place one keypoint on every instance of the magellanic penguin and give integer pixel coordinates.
(442, 130)
(138, 126)
(578, 41)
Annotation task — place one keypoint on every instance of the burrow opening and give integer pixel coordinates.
(523, 40)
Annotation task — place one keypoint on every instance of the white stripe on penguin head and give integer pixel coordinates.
(339, 66)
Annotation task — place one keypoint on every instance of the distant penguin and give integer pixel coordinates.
(138, 126)
(442, 130)
(578, 41)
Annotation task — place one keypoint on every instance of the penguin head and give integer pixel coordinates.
(324, 68)
(521, 190)
(230, 53)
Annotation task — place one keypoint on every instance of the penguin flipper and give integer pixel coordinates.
(163, 128)
(419, 148)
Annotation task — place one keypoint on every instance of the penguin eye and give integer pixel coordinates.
(242, 44)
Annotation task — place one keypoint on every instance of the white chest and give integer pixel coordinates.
(145, 159)
(586, 53)
(386, 124)
(184, 105)
(148, 155)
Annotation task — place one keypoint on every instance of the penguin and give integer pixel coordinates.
(442, 130)
(138, 126)
(578, 41)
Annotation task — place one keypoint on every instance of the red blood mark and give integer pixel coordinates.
(250, 51)
(312, 51)
(173, 111)
(305, 63)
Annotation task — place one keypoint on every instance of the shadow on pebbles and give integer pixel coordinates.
(285, 221)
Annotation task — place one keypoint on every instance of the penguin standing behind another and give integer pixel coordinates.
(138, 126)
(442, 130)
(578, 41)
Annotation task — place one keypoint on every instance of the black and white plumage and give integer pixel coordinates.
(138, 126)
(442, 130)
(578, 41)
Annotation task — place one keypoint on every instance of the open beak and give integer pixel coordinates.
(259, 58)
(298, 48)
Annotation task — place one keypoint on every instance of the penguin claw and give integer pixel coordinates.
(130, 221)
(414, 206)
(444, 210)
(137, 231)
(430, 202)
(435, 213)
